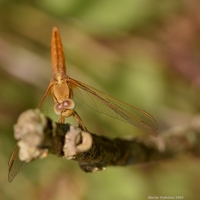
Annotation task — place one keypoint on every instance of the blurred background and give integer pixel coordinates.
(144, 52)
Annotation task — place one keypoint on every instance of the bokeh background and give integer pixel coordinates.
(144, 52)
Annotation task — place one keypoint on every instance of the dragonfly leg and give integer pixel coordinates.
(79, 121)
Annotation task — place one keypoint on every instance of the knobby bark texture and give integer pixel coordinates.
(38, 136)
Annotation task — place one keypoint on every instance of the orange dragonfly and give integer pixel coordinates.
(58, 102)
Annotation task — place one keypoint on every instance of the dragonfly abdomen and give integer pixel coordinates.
(57, 56)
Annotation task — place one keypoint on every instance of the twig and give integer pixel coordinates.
(38, 136)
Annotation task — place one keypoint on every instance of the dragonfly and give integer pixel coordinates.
(58, 102)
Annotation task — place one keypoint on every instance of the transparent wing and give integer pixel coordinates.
(112, 107)
(14, 164)
(47, 105)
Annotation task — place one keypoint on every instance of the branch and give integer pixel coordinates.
(38, 136)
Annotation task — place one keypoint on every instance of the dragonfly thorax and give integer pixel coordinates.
(59, 77)
(61, 91)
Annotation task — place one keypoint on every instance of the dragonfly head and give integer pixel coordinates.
(65, 108)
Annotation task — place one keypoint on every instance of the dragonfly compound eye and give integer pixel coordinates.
(68, 104)
(60, 108)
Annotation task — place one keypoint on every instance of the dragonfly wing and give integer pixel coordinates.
(46, 105)
(112, 107)
(14, 164)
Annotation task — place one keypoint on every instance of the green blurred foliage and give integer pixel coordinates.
(144, 52)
